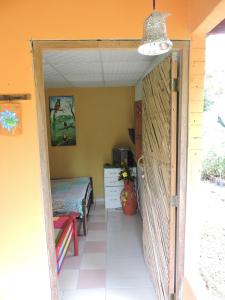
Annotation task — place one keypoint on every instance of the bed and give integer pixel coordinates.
(65, 231)
(74, 194)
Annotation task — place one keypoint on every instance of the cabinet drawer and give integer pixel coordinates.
(112, 197)
(113, 192)
(112, 181)
(114, 172)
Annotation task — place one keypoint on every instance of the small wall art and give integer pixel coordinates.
(62, 120)
(10, 118)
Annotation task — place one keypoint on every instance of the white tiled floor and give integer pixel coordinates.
(110, 265)
(96, 235)
(68, 279)
(93, 261)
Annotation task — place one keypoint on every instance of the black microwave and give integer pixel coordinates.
(122, 155)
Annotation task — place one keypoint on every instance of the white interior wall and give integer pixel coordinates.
(138, 91)
(154, 62)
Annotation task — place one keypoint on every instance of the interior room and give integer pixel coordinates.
(103, 84)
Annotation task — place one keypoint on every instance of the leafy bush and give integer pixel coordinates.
(213, 166)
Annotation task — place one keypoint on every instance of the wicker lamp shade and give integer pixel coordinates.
(155, 40)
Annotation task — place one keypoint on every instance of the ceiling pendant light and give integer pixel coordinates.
(155, 40)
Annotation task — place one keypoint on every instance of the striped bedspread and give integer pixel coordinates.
(68, 194)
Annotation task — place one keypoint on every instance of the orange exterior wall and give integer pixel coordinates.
(196, 84)
(198, 10)
(81, 19)
(201, 24)
(23, 260)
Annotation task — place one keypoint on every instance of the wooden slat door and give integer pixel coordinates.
(160, 176)
(138, 128)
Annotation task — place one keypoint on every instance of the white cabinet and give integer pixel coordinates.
(113, 186)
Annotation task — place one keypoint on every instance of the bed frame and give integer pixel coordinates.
(86, 205)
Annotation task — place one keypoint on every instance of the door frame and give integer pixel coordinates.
(45, 45)
(182, 164)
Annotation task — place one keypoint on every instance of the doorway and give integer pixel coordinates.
(38, 48)
(212, 185)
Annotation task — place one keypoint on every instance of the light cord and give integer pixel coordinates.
(153, 5)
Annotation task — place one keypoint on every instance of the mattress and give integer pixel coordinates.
(68, 194)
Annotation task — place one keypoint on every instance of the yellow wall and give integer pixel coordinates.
(103, 116)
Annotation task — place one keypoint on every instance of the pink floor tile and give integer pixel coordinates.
(97, 225)
(72, 262)
(96, 219)
(91, 279)
(93, 247)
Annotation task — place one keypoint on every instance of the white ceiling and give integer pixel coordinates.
(94, 67)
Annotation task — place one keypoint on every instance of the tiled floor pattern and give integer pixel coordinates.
(110, 264)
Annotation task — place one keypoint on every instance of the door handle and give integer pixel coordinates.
(140, 164)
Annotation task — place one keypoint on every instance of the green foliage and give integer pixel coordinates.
(208, 103)
(126, 173)
(213, 166)
(221, 121)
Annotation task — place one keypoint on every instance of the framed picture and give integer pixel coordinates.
(62, 120)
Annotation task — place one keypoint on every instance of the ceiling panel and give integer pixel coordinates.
(48, 69)
(122, 76)
(87, 83)
(84, 55)
(94, 67)
(124, 67)
(119, 55)
(80, 67)
(57, 84)
(84, 77)
(119, 83)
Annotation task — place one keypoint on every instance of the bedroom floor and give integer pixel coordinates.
(110, 264)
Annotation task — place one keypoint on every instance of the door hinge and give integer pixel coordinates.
(175, 85)
(174, 201)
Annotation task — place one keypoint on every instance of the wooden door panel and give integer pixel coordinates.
(138, 129)
(159, 150)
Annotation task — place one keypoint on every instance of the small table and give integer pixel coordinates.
(64, 222)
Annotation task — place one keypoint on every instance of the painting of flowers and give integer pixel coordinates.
(10, 119)
(62, 120)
